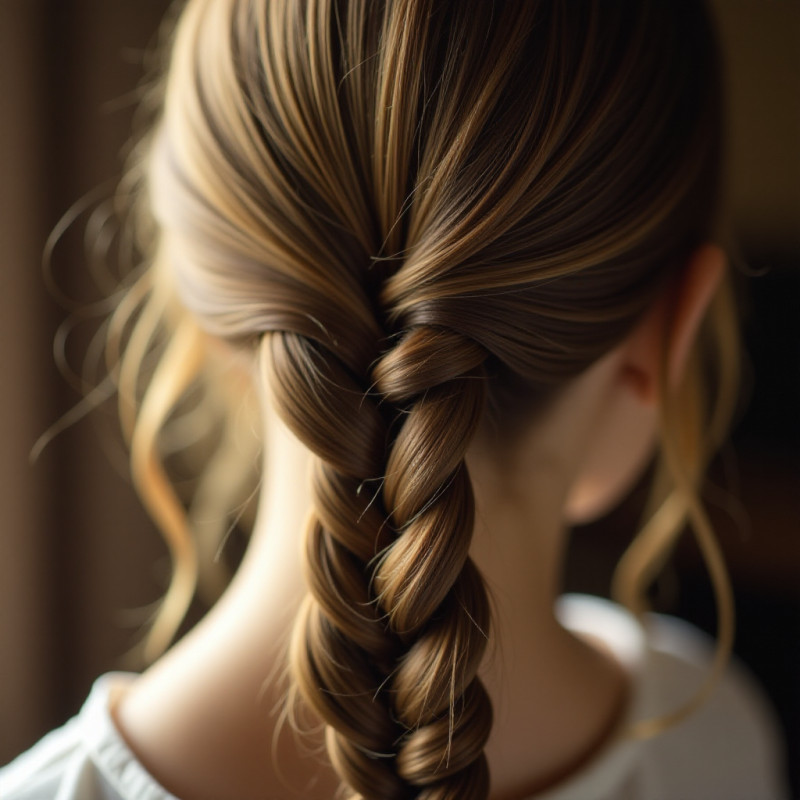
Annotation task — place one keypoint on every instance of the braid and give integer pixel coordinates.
(389, 640)
(341, 651)
(434, 596)
(388, 658)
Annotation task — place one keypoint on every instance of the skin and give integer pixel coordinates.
(202, 719)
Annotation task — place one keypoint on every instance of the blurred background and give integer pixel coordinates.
(79, 560)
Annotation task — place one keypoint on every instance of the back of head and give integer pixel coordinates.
(419, 213)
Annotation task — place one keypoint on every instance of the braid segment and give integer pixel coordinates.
(341, 650)
(434, 597)
(386, 649)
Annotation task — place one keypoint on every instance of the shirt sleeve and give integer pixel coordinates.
(86, 759)
(728, 749)
(56, 768)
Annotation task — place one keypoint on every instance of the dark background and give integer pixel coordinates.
(79, 561)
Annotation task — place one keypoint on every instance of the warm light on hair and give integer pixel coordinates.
(409, 216)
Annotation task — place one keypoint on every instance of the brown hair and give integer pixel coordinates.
(417, 213)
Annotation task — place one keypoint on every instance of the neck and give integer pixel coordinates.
(543, 682)
(549, 689)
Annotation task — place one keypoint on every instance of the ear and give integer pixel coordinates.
(625, 425)
(674, 322)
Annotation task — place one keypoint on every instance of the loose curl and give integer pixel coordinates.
(416, 216)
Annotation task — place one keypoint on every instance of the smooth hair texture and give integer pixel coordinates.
(414, 215)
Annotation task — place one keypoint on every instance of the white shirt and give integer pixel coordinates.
(728, 750)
